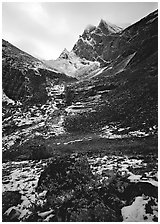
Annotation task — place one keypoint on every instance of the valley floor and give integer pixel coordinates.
(132, 170)
(50, 174)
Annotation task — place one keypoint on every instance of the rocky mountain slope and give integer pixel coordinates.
(69, 63)
(107, 41)
(24, 77)
(107, 44)
(87, 50)
(94, 40)
(127, 86)
(83, 149)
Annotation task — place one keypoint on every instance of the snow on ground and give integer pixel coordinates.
(136, 212)
(78, 140)
(122, 165)
(152, 179)
(106, 166)
(23, 177)
(55, 126)
(6, 99)
(79, 108)
(30, 123)
(113, 132)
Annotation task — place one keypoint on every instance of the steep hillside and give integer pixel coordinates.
(126, 87)
(24, 77)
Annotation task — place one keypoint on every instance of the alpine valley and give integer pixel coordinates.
(80, 133)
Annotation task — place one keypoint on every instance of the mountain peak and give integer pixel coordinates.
(90, 28)
(108, 27)
(64, 54)
(102, 22)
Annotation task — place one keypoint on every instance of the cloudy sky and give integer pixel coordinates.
(45, 29)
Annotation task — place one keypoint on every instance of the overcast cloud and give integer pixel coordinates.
(45, 29)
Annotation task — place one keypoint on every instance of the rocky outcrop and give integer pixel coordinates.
(73, 193)
(10, 199)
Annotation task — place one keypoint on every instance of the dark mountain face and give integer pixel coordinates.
(131, 62)
(107, 42)
(92, 42)
(24, 77)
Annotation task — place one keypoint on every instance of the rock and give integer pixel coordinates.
(73, 191)
(44, 214)
(137, 189)
(10, 199)
(42, 194)
(94, 211)
(67, 171)
(11, 215)
(49, 218)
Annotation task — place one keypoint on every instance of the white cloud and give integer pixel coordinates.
(37, 14)
(46, 51)
(34, 10)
